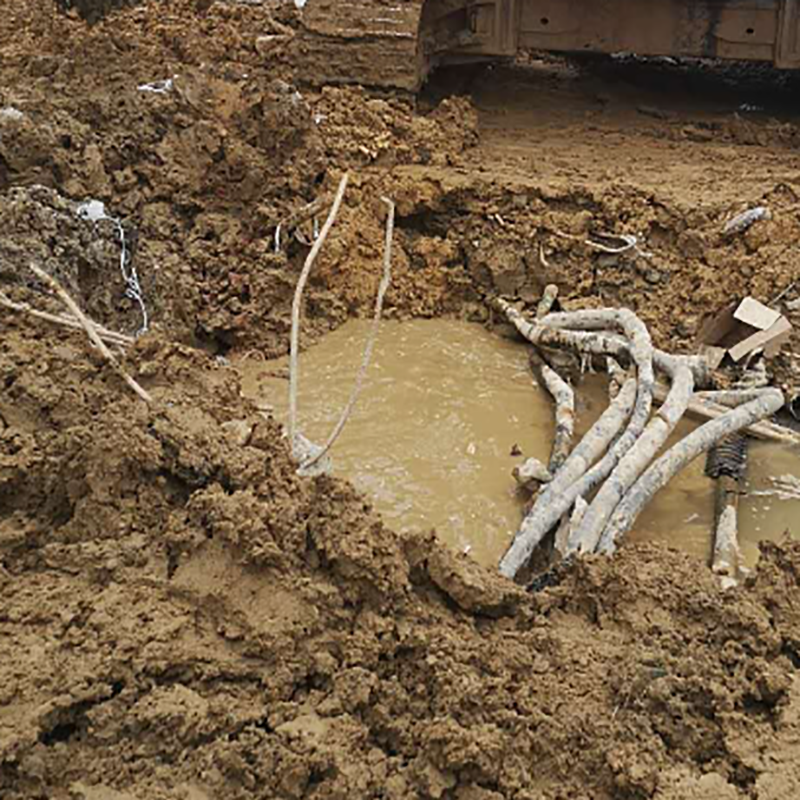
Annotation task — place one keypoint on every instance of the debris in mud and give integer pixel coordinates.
(11, 113)
(741, 222)
(307, 454)
(40, 226)
(531, 474)
(157, 87)
(742, 329)
(616, 244)
(91, 330)
(94, 211)
(625, 441)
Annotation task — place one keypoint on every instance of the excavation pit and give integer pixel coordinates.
(446, 406)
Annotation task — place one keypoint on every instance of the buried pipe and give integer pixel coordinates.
(674, 460)
(538, 333)
(726, 558)
(707, 406)
(616, 376)
(561, 392)
(564, 399)
(728, 397)
(618, 508)
(641, 352)
(599, 342)
(572, 519)
(637, 344)
(587, 534)
(549, 297)
(568, 525)
(726, 464)
(558, 496)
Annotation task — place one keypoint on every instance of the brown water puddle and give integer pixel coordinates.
(431, 437)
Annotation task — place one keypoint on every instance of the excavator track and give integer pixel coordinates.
(396, 43)
(372, 42)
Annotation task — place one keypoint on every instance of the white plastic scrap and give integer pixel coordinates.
(157, 87)
(300, 3)
(95, 211)
(741, 222)
(304, 451)
(11, 113)
(92, 211)
(628, 242)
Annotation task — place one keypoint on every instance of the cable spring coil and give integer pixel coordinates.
(728, 457)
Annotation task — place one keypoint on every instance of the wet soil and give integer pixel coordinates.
(449, 409)
(182, 616)
(422, 443)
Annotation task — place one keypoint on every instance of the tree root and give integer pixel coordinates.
(294, 345)
(373, 335)
(108, 336)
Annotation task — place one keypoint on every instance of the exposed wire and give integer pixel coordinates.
(373, 335)
(294, 343)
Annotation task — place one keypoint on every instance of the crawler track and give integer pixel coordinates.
(373, 43)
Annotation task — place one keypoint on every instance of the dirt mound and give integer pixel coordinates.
(191, 619)
(192, 131)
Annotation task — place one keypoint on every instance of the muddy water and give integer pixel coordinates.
(432, 436)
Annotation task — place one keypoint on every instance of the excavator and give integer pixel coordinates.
(397, 43)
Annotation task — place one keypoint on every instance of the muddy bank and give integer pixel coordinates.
(188, 618)
(202, 172)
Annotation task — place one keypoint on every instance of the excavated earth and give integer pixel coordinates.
(183, 616)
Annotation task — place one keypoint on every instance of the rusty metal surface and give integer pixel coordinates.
(668, 27)
(396, 42)
(787, 49)
(734, 29)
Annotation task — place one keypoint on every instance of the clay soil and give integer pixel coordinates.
(183, 616)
